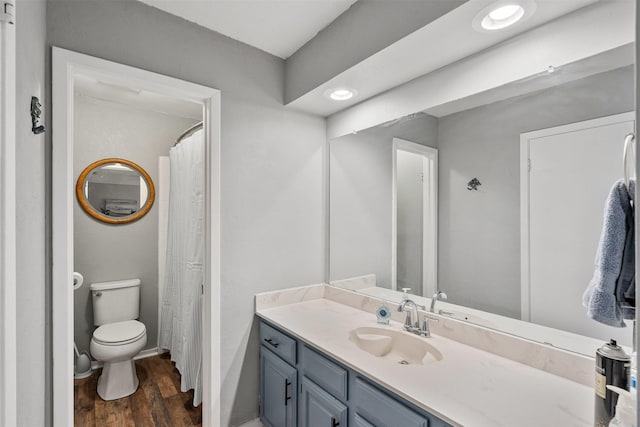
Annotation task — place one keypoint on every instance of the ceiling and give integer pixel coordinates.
(136, 98)
(282, 27)
(279, 27)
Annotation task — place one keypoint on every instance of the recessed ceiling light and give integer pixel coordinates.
(503, 14)
(340, 94)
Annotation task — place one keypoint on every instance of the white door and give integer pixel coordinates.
(414, 231)
(409, 219)
(572, 169)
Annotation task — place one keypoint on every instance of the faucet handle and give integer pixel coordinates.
(440, 295)
(425, 332)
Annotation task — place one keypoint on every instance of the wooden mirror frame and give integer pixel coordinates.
(86, 206)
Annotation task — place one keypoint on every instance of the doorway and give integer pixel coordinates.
(67, 68)
(414, 217)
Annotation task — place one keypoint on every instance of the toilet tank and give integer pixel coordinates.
(115, 301)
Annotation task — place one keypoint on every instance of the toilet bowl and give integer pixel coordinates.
(119, 337)
(116, 344)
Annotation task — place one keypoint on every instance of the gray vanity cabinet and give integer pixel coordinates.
(278, 386)
(327, 393)
(318, 408)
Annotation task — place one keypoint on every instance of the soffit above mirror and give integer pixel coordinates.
(441, 42)
(369, 46)
(602, 27)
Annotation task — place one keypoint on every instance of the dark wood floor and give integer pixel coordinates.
(157, 402)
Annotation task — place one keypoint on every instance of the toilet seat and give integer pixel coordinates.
(119, 333)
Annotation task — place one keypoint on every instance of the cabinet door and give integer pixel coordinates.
(278, 385)
(319, 408)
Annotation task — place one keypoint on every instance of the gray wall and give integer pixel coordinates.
(33, 292)
(106, 252)
(360, 175)
(272, 163)
(479, 231)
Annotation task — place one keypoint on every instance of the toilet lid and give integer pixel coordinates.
(119, 332)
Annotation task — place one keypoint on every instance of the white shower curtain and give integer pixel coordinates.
(181, 318)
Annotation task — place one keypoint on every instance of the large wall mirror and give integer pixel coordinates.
(494, 199)
(115, 191)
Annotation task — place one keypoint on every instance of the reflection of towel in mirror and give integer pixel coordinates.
(610, 296)
(120, 207)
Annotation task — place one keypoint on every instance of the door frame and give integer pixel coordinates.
(429, 217)
(65, 66)
(525, 138)
(8, 269)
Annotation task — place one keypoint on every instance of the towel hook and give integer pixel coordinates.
(629, 145)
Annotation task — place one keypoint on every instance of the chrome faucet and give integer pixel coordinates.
(412, 322)
(437, 296)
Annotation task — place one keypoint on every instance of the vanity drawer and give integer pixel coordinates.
(325, 373)
(279, 343)
(381, 410)
(358, 421)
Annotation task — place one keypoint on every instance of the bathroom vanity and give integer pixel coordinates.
(321, 365)
(300, 382)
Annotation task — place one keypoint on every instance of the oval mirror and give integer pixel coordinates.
(115, 191)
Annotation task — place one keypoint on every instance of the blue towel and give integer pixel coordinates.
(610, 296)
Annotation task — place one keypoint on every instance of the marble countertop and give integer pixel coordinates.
(468, 387)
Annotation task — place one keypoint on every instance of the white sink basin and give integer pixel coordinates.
(396, 346)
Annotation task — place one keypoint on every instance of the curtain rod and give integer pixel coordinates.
(188, 132)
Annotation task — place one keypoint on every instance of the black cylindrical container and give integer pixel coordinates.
(612, 368)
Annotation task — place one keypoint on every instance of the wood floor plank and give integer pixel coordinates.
(142, 416)
(157, 402)
(195, 412)
(179, 415)
(159, 411)
(165, 385)
(84, 398)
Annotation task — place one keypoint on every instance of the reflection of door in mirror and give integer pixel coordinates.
(361, 208)
(569, 166)
(415, 183)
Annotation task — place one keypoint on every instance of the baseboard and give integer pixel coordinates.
(150, 352)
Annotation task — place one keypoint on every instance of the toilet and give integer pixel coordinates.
(119, 336)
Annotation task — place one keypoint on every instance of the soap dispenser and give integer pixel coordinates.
(383, 313)
(625, 409)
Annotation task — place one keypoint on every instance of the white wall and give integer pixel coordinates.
(106, 252)
(272, 162)
(33, 290)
